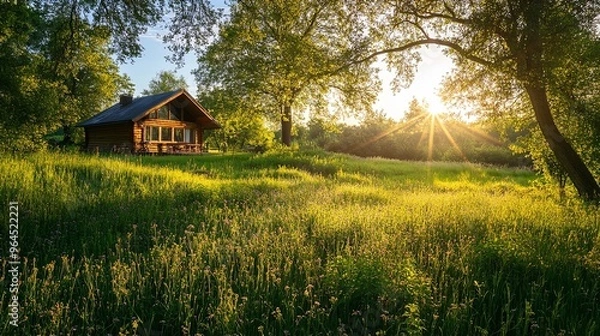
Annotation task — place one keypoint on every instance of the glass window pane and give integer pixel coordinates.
(163, 113)
(190, 135)
(175, 114)
(179, 134)
(153, 133)
(166, 134)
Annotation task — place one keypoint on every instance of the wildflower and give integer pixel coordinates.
(277, 314)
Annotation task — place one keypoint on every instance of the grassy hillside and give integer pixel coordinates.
(295, 243)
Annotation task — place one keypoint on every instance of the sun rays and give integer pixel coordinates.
(397, 128)
(436, 128)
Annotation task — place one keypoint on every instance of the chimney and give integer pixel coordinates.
(126, 99)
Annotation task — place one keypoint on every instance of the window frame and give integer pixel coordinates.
(189, 134)
(162, 129)
(148, 134)
(175, 137)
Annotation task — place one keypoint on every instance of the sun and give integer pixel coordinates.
(435, 106)
(424, 87)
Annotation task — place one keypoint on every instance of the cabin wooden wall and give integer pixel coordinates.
(138, 134)
(106, 138)
(129, 137)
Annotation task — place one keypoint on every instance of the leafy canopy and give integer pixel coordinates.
(288, 53)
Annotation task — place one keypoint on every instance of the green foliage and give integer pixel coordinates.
(79, 62)
(240, 128)
(295, 242)
(319, 131)
(409, 140)
(125, 22)
(281, 56)
(24, 93)
(59, 71)
(57, 59)
(165, 81)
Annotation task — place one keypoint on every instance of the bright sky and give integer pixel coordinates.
(431, 71)
(433, 67)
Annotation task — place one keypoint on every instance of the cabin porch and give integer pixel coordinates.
(170, 148)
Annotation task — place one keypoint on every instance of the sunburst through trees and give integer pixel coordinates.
(426, 136)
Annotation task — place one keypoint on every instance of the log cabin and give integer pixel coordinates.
(169, 122)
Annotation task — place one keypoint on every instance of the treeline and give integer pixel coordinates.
(448, 140)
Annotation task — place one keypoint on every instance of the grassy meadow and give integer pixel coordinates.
(295, 243)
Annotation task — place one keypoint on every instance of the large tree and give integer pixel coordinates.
(520, 43)
(23, 92)
(78, 62)
(287, 52)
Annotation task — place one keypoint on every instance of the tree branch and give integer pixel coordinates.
(429, 16)
(454, 46)
(426, 15)
(263, 19)
(312, 22)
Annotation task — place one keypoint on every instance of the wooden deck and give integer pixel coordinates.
(159, 148)
(171, 148)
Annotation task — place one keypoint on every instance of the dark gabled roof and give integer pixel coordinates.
(118, 113)
(141, 106)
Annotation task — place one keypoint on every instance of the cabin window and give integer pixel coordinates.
(151, 133)
(166, 134)
(169, 134)
(190, 135)
(167, 113)
(163, 113)
(174, 114)
(178, 134)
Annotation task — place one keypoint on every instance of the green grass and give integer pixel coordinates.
(298, 243)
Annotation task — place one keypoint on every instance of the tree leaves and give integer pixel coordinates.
(288, 53)
(165, 81)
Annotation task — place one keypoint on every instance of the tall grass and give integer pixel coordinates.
(303, 243)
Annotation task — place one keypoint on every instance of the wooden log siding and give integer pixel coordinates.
(105, 138)
(138, 133)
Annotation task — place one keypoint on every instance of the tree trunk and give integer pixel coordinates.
(578, 173)
(286, 125)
